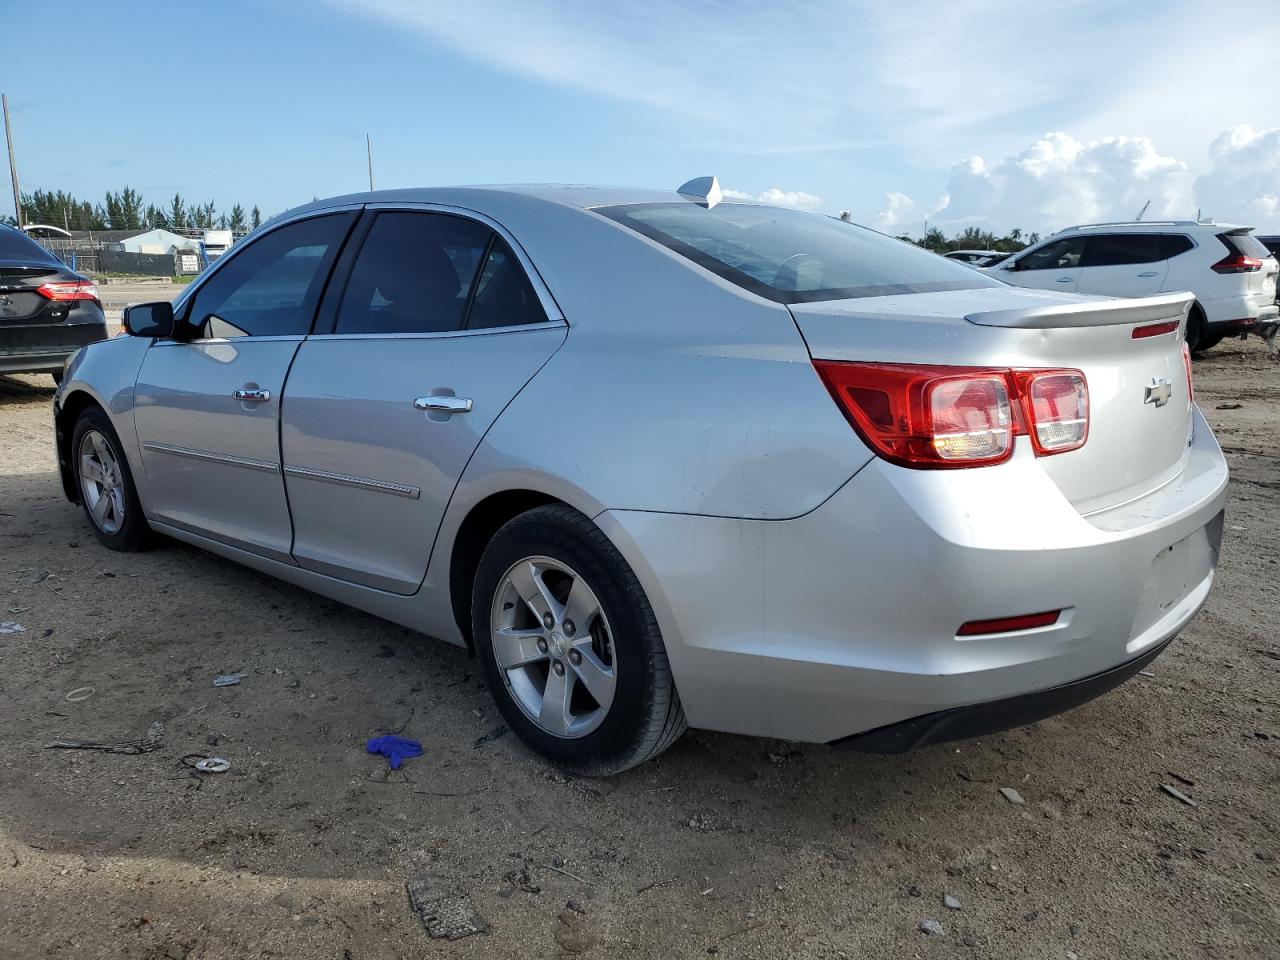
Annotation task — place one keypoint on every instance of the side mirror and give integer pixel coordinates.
(149, 319)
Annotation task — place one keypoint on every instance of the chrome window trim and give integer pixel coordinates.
(443, 334)
(265, 466)
(360, 483)
(283, 338)
(545, 297)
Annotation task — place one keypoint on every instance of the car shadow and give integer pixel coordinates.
(17, 388)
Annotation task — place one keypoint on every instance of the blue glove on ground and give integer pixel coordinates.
(395, 749)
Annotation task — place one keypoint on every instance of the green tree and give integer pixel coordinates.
(177, 213)
(236, 222)
(255, 218)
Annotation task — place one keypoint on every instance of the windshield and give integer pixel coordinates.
(794, 257)
(15, 245)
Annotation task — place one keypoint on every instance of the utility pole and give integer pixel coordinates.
(13, 164)
(368, 142)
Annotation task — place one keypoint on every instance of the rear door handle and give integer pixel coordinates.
(1066, 279)
(253, 396)
(1150, 273)
(443, 404)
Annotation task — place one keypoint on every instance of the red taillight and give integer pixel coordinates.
(1028, 621)
(1186, 362)
(69, 290)
(936, 417)
(1155, 329)
(1237, 263)
(1056, 403)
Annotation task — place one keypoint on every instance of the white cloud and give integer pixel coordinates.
(899, 214)
(790, 198)
(1243, 184)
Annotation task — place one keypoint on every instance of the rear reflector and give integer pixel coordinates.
(936, 417)
(1028, 621)
(69, 290)
(1154, 330)
(1186, 362)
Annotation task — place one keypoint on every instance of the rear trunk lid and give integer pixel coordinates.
(18, 285)
(1260, 284)
(1140, 411)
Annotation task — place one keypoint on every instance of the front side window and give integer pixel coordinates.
(1058, 255)
(271, 287)
(1123, 249)
(793, 257)
(413, 274)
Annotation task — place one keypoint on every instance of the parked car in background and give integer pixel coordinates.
(1272, 243)
(47, 310)
(743, 467)
(1231, 274)
(977, 258)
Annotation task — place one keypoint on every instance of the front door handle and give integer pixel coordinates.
(443, 404)
(1150, 273)
(253, 396)
(1066, 279)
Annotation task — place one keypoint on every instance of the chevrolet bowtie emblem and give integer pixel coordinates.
(1158, 391)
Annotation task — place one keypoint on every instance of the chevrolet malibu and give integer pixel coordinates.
(661, 461)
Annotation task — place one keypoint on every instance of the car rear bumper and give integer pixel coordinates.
(1225, 315)
(845, 620)
(42, 348)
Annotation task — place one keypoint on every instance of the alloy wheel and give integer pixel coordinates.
(101, 482)
(553, 646)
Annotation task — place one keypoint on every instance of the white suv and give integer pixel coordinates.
(1232, 275)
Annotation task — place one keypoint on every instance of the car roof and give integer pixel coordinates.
(1153, 226)
(985, 253)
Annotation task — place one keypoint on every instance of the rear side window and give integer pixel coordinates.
(793, 257)
(1062, 254)
(1120, 249)
(1174, 244)
(503, 295)
(413, 274)
(270, 287)
(16, 245)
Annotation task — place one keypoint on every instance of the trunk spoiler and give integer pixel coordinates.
(1089, 313)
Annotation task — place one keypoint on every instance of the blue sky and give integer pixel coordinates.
(898, 113)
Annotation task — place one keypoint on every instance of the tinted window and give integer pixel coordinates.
(1174, 244)
(794, 257)
(503, 295)
(1057, 255)
(1246, 244)
(270, 287)
(1272, 244)
(413, 274)
(1121, 249)
(16, 245)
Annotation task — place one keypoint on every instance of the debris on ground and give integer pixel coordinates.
(573, 933)
(396, 749)
(1177, 794)
(1012, 795)
(500, 730)
(79, 694)
(1229, 406)
(213, 765)
(931, 928)
(521, 879)
(11, 626)
(227, 679)
(950, 902)
(1180, 778)
(446, 912)
(155, 733)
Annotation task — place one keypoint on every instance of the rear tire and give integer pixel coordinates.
(105, 484)
(1197, 337)
(594, 696)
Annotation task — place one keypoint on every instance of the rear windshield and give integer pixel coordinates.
(15, 245)
(793, 257)
(1246, 244)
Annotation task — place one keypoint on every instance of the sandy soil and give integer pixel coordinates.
(725, 846)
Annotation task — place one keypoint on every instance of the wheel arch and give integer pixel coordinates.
(72, 405)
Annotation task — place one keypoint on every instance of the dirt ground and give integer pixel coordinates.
(725, 846)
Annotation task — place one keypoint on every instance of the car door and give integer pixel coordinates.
(1124, 264)
(1052, 266)
(437, 327)
(207, 402)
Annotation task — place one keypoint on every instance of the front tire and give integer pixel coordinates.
(569, 646)
(105, 484)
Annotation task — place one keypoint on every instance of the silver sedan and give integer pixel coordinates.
(662, 461)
